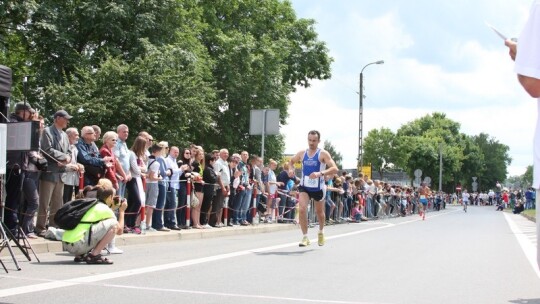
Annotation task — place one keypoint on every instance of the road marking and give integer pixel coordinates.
(223, 294)
(126, 273)
(525, 239)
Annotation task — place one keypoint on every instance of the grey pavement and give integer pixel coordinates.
(482, 256)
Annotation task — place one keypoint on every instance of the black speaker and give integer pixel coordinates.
(23, 136)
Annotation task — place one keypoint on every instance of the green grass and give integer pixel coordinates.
(530, 212)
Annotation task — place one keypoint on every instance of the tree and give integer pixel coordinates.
(261, 51)
(245, 54)
(496, 160)
(474, 164)
(64, 35)
(336, 156)
(381, 149)
(527, 177)
(164, 92)
(419, 143)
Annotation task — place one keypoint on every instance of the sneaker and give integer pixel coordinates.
(164, 229)
(320, 239)
(151, 229)
(207, 226)
(305, 242)
(115, 250)
(31, 236)
(136, 230)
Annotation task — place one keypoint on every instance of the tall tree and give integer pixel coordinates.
(419, 143)
(496, 157)
(527, 177)
(336, 156)
(165, 92)
(381, 149)
(261, 52)
(66, 34)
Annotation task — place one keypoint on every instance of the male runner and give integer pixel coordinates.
(423, 192)
(316, 163)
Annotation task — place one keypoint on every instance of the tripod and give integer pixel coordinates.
(6, 234)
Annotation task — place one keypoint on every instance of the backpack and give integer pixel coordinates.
(71, 213)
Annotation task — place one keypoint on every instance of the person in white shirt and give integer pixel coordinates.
(527, 67)
(169, 215)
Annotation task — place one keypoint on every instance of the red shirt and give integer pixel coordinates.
(110, 172)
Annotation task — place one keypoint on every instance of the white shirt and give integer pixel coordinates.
(272, 187)
(171, 163)
(222, 170)
(528, 64)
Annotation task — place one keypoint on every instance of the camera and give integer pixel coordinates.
(117, 201)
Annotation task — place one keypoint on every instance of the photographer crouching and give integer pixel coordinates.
(97, 227)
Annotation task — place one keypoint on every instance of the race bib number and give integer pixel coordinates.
(311, 182)
(422, 196)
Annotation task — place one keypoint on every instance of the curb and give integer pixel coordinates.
(42, 245)
(530, 218)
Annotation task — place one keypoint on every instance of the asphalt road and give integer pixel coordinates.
(481, 256)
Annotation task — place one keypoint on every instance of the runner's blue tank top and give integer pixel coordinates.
(310, 165)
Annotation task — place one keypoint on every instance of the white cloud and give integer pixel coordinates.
(454, 65)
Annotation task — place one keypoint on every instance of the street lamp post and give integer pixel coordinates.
(360, 116)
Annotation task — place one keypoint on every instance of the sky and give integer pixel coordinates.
(439, 56)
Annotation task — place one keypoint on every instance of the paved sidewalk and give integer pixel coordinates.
(42, 245)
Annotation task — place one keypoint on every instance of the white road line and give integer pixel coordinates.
(223, 294)
(528, 247)
(126, 273)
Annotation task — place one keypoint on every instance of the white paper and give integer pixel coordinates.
(503, 36)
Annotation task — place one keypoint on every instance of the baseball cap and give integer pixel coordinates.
(24, 106)
(62, 113)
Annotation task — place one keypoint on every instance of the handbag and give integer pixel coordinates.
(194, 201)
(95, 172)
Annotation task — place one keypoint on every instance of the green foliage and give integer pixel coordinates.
(336, 156)
(260, 52)
(419, 143)
(184, 70)
(497, 160)
(381, 149)
(163, 92)
(527, 177)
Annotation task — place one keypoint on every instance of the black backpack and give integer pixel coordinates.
(71, 213)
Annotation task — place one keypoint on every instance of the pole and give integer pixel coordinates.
(440, 167)
(361, 116)
(360, 124)
(263, 134)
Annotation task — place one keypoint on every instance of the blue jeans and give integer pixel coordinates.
(157, 216)
(328, 206)
(182, 202)
(243, 206)
(169, 215)
(121, 189)
(369, 207)
(282, 204)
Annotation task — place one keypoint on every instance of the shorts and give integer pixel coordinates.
(274, 203)
(99, 230)
(315, 195)
(152, 192)
(423, 201)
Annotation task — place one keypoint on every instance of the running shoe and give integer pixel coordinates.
(305, 242)
(320, 239)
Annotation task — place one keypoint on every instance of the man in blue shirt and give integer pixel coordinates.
(316, 163)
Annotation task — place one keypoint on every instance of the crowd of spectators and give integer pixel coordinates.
(161, 183)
